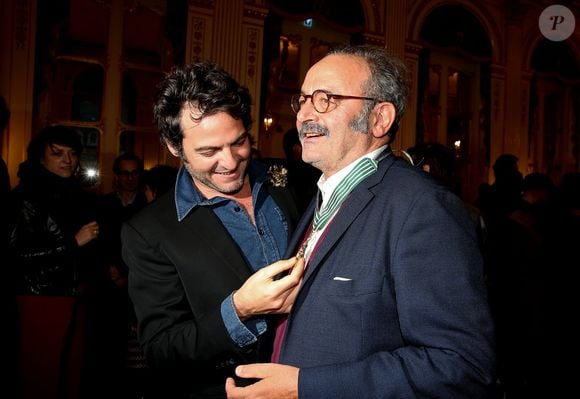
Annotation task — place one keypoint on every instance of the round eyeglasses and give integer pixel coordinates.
(322, 100)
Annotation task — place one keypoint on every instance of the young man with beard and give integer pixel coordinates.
(191, 252)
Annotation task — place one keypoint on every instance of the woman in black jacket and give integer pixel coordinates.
(54, 217)
(53, 259)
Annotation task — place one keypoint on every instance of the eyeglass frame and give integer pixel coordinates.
(294, 100)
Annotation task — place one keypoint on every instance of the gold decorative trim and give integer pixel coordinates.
(197, 38)
(413, 48)
(252, 58)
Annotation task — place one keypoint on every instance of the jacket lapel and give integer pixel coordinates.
(208, 232)
(301, 228)
(353, 205)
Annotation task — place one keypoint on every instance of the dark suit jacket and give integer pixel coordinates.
(179, 274)
(393, 303)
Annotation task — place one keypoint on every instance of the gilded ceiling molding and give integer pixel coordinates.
(255, 12)
(374, 39)
(413, 48)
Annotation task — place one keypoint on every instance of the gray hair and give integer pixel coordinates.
(387, 80)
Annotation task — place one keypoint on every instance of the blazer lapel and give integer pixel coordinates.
(298, 235)
(353, 205)
(209, 233)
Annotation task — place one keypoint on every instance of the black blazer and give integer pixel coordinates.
(179, 274)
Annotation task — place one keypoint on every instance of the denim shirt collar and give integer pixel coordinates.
(187, 196)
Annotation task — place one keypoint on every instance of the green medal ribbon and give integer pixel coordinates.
(361, 171)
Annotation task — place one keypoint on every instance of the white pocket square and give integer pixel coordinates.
(337, 278)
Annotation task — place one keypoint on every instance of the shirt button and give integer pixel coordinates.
(237, 209)
(261, 232)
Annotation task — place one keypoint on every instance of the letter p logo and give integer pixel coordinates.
(558, 19)
(557, 23)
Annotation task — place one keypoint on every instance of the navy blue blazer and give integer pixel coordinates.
(393, 303)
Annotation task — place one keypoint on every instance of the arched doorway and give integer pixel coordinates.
(554, 128)
(454, 91)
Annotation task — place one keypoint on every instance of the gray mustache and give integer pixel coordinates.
(312, 127)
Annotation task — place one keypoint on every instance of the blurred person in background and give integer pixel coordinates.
(158, 180)
(115, 208)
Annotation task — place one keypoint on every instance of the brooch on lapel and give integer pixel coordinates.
(278, 175)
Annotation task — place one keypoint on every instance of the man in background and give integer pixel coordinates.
(116, 207)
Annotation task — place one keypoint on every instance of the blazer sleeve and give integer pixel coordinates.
(170, 331)
(435, 270)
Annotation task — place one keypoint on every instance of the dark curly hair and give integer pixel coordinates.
(127, 157)
(205, 86)
(160, 179)
(62, 135)
(49, 135)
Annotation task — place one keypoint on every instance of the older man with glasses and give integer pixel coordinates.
(393, 301)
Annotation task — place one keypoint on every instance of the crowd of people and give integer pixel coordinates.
(338, 272)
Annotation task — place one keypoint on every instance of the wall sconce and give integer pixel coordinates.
(268, 120)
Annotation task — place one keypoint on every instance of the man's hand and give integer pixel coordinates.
(263, 294)
(277, 381)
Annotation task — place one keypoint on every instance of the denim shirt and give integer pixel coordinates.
(260, 245)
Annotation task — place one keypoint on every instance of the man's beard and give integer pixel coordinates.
(205, 179)
(361, 122)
